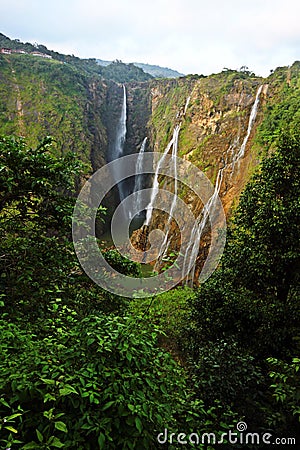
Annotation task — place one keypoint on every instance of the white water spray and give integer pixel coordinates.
(138, 182)
(155, 187)
(192, 249)
(252, 118)
(121, 131)
(186, 105)
(165, 244)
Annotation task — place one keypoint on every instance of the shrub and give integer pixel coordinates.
(100, 382)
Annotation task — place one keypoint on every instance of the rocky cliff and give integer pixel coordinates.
(47, 97)
(227, 122)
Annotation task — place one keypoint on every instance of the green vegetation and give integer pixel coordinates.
(283, 112)
(63, 379)
(159, 72)
(116, 71)
(247, 315)
(122, 73)
(45, 97)
(82, 368)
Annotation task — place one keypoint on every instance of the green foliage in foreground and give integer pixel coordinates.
(38, 263)
(83, 369)
(74, 373)
(97, 382)
(246, 317)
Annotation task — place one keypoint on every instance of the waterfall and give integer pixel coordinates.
(138, 182)
(155, 187)
(192, 249)
(121, 130)
(186, 105)
(174, 143)
(191, 252)
(118, 150)
(252, 118)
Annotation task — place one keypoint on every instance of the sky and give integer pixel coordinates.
(191, 36)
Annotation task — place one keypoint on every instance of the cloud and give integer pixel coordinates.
(190, 35)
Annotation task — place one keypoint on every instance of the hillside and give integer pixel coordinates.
(117, 355)
(154, 70)
(41, 97)
(159, 72)
(118, 71)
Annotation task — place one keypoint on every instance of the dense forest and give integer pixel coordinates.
(82, 368)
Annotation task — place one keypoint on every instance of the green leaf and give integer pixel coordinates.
(4, 403)
(61, 426)
(9, 428)
(49, 397)
(30, 446)
(67, 390)
(13, 416)
(57, 443)
(138, 424)
(47, 381)
(39, 435)
(101, 441)
(107, 405)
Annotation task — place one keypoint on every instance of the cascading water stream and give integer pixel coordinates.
(191, 252)
(186, 105)
(118, 149)
(252, 118)
(138, 182)
(165, 244)
(192, 249)
(155, 187)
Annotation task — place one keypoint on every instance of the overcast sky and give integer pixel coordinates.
(192, 36)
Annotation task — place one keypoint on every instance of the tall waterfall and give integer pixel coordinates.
(118, 150)
(138, 182)
(186, 105)
(192, 249)
(252, 118)
(174, 143)
(155, 186)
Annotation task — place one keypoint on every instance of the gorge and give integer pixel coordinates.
(215, 122)
(190, 319)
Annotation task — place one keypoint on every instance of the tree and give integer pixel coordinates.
(37, 259)
(263, 250)
(249, 309)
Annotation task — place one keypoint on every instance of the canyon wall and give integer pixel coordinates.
(81, 111)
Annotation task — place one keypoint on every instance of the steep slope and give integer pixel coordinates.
(154, 70)
(227, 121)
(40, 97)
(115, 71)
(214, 113)
(46, 97)
(159, 72)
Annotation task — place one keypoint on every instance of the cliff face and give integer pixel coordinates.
(40, 98)
(214, 115)
(81, 111)
(227, 122)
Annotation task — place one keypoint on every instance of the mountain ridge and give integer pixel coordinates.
(132, 71)
(153, 69)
